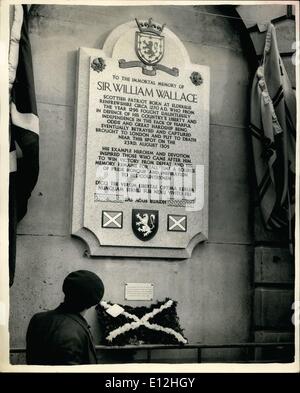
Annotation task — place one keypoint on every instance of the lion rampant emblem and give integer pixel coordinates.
(144, 223)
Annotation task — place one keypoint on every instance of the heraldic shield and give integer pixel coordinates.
(144, 223)
(149, 47)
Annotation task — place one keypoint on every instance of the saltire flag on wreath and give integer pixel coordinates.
(125, 325)
(24, 127)
(273, 131)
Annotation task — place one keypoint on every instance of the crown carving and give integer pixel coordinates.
(150, 27)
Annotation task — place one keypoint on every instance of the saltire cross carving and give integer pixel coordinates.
(177, 223)
(111, 219)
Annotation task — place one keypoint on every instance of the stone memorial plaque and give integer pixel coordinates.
(141, 146)
(138, 291)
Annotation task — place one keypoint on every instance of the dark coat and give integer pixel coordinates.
(59, 337)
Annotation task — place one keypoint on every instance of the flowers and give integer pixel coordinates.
(154, 320)
(196, 78)
(98, 64)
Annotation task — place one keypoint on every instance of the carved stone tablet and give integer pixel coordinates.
(141, 145)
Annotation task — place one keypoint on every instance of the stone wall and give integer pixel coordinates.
(213, 288)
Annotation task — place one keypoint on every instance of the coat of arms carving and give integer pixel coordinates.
(149, 43)
(144, 223)
(149, 47)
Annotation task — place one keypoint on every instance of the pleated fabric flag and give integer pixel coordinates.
(24, 127)
(273, 130)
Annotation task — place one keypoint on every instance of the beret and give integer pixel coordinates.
(82, 289)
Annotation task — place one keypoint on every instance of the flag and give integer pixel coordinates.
(273, 131)
(24, 127)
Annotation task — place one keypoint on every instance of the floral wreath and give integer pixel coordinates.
(157, 324)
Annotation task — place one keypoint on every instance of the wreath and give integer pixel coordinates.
(156, 324)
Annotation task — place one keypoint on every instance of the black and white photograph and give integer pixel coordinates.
(150, 209)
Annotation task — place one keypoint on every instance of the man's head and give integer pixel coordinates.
(83, 289)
